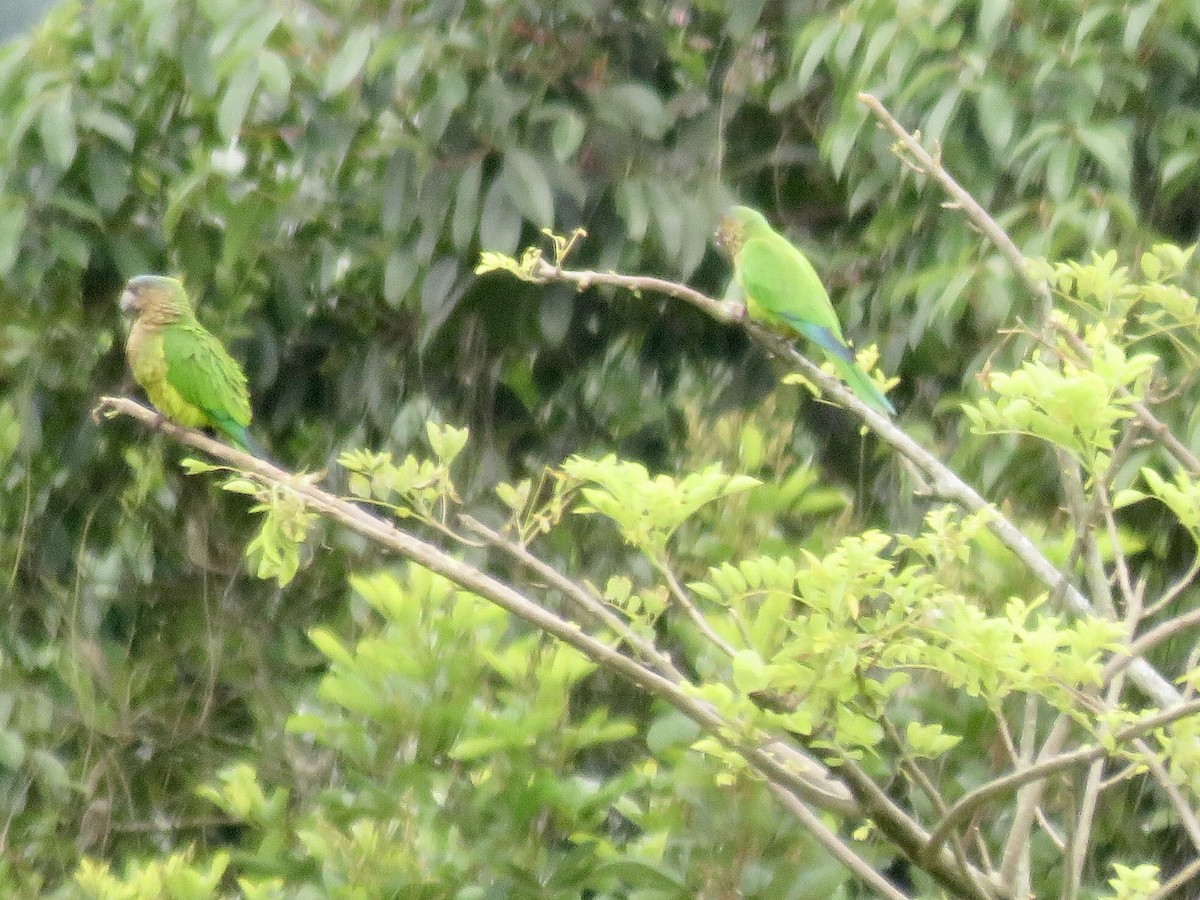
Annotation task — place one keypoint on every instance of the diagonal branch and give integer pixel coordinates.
(943, 480)
(924, 162)
(793, 771)
(1041, 769)
(584, 600)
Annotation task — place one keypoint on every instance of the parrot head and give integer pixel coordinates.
(154, 292)
(731, 233)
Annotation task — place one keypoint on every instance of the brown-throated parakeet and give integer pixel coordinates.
(185, 371)
(782, 289)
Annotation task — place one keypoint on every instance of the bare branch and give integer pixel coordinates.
(1041, 769)
(943, 481)
(795, 772)
(583, 599)
(685, 602)
(836, 846)
(921, 160)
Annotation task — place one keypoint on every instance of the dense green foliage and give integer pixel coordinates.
(324, 175)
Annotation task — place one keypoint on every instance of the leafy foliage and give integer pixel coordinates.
(325, 176)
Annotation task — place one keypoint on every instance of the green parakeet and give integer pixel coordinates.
(185, 371)
(782, 289)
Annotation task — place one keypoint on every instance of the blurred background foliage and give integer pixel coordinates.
(324, 174)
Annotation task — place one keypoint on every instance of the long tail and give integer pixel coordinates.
(842, 358)
(241, 438)
(860, 382)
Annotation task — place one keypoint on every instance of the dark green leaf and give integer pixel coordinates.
(743, 16)
(633, 107)
(108, 176)
(466, 207)
(1109, 145)
(56, 127)
(567, 134)
(997, 117)
(349, 61)
(12, 226)
(499, 222)
(815, 48)
(235, 101)
(398, 276)
(1135, 24)
(525, 179)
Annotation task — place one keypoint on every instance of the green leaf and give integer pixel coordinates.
(997, 117)
(235, 101)
(499, 222)
(929, 740)
(647, 878)
(399, 273)
(939, 116)
(466, 207)
(438, 284)
(56, 127)
(990, 15)
(331, 648)
(348, 62)
(1136, 20)
(446, 441)
(117, 130)
(567, 134)
(525, 180)
(193, 466)
(12, 226)
(554, 316)
(50, 773)
(816, 49)
(108, 176)
(633, 107)
(743, 16)
(633, 209)
(1109, 145)
(274, 75)
(1060, 169)
(749, 672)
(12, 750)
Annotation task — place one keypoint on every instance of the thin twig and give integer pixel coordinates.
(1043, 768)
(917, 774)
(1178, 880)
(836, 846)
(1180, 585)
(809, 782)
(1014, 861)
(913, 840)
(927, 165)
(1149, 640)
(583, 598)
(1187, 814)
(943, 481)
(684, 601)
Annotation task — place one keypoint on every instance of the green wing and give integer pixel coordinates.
(206, 376)
(783, 288)
(782, 282)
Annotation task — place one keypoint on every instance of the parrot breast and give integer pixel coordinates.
(144, 351)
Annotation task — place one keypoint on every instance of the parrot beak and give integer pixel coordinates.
(721, 236)
(129, 302)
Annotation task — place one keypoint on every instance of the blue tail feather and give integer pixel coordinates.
(240, 437)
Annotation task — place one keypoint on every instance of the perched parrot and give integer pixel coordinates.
(782, 289)
(186, 373)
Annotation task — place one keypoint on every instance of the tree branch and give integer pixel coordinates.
(960, 199)
(967, 804)
(791, 770)
(943, 480)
